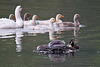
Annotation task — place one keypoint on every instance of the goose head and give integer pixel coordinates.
(52, 20)
(76, 16)
(58, 17)
(26, 15)
(18, 8)
(11, 16)
(35, 17)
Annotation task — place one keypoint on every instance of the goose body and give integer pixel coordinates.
(8, 23)
(69, 24)
(39, 27)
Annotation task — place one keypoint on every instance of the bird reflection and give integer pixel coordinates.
(18, 40)
(60, 57)
(51, 35)
(71, 54)
(57, 57)
(58, 31)
(76, 29)
(7, 33)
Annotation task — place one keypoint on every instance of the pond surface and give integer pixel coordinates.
(17, 45)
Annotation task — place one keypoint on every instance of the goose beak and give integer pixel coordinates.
(37, 17)
(79, 16)
(29, 14)
(62, 16)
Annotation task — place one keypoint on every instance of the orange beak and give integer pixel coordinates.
(37, 17)
(79, 16)
(62, 16)
(29, 14)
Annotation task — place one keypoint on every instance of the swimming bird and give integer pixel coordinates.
(7, 23)
(42, 27)
(69, 24)
(30, 22)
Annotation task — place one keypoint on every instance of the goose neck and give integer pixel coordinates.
(50, 25)
(76, 21)
(33, 21)
(57, 19)
(25, 18)
(18, 16)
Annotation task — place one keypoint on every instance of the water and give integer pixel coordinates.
(16, 46)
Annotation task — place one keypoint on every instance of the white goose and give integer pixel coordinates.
(41, 27)
(30, 22)
(7, 23)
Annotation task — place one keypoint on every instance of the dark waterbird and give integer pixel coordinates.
(57, 46)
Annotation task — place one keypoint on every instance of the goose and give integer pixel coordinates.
(30, 22)
(69, 24)
(7, 23)
(41, 27)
